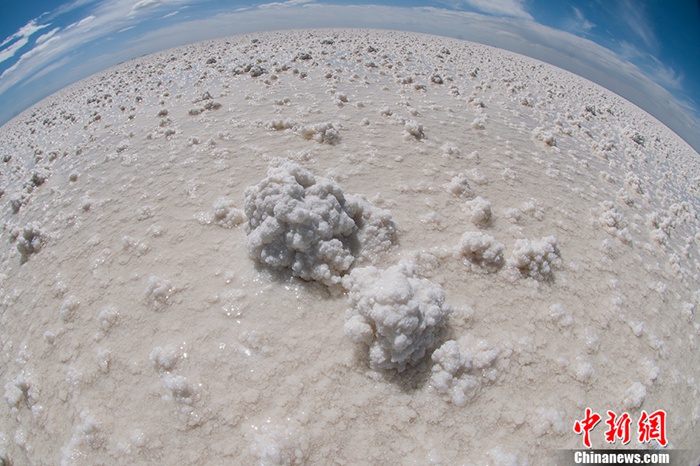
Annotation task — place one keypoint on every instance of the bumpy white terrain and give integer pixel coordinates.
(341, 247)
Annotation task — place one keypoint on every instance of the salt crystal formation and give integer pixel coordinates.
(451, 376)
(399, 316)
(481, 251)
(541, 134)
(30, 240)
(413, 129)
(324, 133)
(459, 187)
(158, 291)
(279, 444)
(19, 391)
(480, 211)
(376, 233)
(614, 222)
(305, 223)
(536, 259)
(226, 214)
(461, 367)
(300, 222)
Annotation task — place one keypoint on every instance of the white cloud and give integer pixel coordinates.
(630, 51)
(634, 15)
(288, 3)
(579, 24)
(69, 6)
(83, 22)
(145, 4)
(43, 38)
(9, 52)
(21, 39)
(25, 31)
(151, 4)
(510, 8)
(663, 74)
(49, 69)
(106, 18)
(9, 77)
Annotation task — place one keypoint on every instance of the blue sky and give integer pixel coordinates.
(645, 50)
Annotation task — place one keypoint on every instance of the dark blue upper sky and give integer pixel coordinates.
(645, 50)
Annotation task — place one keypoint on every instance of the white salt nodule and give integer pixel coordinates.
(459, 187)
(279, 444)
(536, 259)
(480, 211)
(635, 396)
(158, 290)
(164, 359)
(482, 251)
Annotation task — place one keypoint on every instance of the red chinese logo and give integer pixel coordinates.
(618, 428)
(650, 427)
(653, 427)
(586, 425)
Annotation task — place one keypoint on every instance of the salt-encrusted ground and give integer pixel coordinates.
(559, 221)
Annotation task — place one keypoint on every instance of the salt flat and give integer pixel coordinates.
(547, 227)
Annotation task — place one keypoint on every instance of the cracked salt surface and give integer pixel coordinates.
(463, 249)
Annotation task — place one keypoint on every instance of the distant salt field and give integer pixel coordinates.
(342, 247)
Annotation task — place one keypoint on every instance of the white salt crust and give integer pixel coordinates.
(428, 176)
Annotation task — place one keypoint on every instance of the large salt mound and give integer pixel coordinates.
(136, 329)
(300, 222)
(397, 315)
(306, 224)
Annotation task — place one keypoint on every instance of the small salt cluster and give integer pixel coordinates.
(413, 130)
(225, 214)
(325, 133)
(614, 222)
(30, 240)
(276, 444)
(533, 259)
(21, 391)
(178, 388)
(536, 259)
(88, 435)
(479, 211)
(459, 187)
(481, 251)
(158, 291)
(540, 134)
(461, 367)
